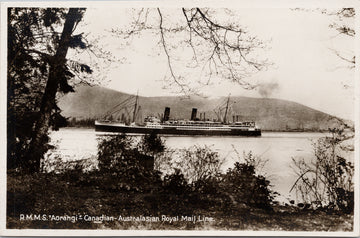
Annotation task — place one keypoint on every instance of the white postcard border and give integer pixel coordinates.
(172, 4)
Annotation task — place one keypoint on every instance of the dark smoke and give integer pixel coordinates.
(267, 89)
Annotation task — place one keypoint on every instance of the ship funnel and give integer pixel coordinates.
(167, 113)
(193, 114)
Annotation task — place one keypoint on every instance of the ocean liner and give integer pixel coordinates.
(192, 127)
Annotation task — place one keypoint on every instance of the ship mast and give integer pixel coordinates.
(136, 102)
(226, 110)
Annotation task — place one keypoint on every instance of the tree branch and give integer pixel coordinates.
(163, 42)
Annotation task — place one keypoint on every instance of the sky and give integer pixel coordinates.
(300, 46)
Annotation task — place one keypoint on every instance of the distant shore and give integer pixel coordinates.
(263, 130)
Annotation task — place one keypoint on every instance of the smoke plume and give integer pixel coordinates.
(267, 89)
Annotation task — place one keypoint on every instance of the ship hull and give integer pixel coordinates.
(177, 131)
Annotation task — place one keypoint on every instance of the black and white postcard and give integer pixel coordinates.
(176, 118)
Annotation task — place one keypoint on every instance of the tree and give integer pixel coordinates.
(37, 70)
(328, 180)
(219, 46)
(342, 26)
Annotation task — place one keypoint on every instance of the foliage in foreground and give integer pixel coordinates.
(196, 177)
(327, 181)
(71, 194)
(125, 182)
(125, 185)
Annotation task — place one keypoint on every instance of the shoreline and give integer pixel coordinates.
(263, 130)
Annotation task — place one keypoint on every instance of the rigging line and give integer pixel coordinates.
(120, 109)
(129, 98)
(126, 104)
(221, 104)
(122, 102)
(119, 104)
(116, 111)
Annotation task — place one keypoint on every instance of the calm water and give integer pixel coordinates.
(278, 148)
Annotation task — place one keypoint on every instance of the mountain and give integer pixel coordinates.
(270, 114)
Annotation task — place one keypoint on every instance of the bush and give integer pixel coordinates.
(112, 151)
(120, 157)
(197, 163)
(243, 185)
(175, 183)
(196, 183)
(175, 195)
(123, 182)
(327, 181)
(201, 168)
(151, 144)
